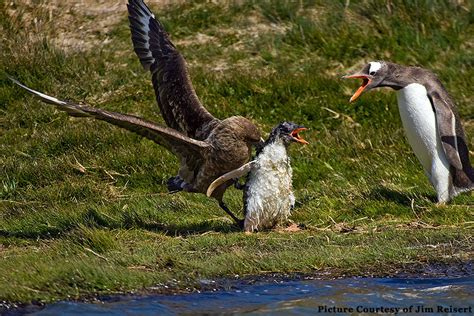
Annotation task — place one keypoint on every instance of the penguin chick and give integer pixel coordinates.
(268, 195)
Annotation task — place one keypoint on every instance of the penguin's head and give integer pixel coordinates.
(288, 132)
(372, 75)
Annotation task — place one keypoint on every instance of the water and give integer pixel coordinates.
(303, 297)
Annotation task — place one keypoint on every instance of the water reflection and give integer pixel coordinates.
(333, 297)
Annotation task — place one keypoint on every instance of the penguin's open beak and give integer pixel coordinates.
(365, 82)
(298, 138)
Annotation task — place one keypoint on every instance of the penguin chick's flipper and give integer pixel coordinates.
(231, 175)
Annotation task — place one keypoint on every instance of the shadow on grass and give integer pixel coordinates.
(190, 229)
(400, 198)
(391, 195)
(128, 220)
(35, 234)
(173, 230)
(133, 220)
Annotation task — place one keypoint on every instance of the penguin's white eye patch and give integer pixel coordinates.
(374, 67)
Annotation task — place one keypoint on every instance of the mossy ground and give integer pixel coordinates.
(84, 208)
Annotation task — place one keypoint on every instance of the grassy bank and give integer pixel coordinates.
(83, 205)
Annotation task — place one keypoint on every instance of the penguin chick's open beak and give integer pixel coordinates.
(298, 138)
(365, 82)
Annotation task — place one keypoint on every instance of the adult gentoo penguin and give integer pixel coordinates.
(431, 122)
(206, 146)
(268, 194)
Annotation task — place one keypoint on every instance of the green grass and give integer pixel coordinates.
(83, 205)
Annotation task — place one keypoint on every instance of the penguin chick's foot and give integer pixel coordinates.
(293, 227)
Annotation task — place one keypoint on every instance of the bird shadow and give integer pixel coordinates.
(396, 196)
(187, 229)
(95, 219)
(33, 234)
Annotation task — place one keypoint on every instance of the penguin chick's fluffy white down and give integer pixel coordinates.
(269, 188)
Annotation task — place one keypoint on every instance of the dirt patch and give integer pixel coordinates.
(84, 25)
(73, 25)
(196, 40)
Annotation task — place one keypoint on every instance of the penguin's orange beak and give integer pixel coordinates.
(297, 137)
(365, 82)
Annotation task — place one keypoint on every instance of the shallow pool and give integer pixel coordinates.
(453, 296)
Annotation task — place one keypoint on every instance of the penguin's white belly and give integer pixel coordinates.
(419, 122)
(269, 189)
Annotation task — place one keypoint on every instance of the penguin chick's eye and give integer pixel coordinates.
(372, 73)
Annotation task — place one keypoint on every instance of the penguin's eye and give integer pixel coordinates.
(374, 67)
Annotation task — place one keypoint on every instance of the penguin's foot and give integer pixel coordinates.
(291, 228)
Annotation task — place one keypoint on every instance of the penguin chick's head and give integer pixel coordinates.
(372, 76)
(288, 132)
